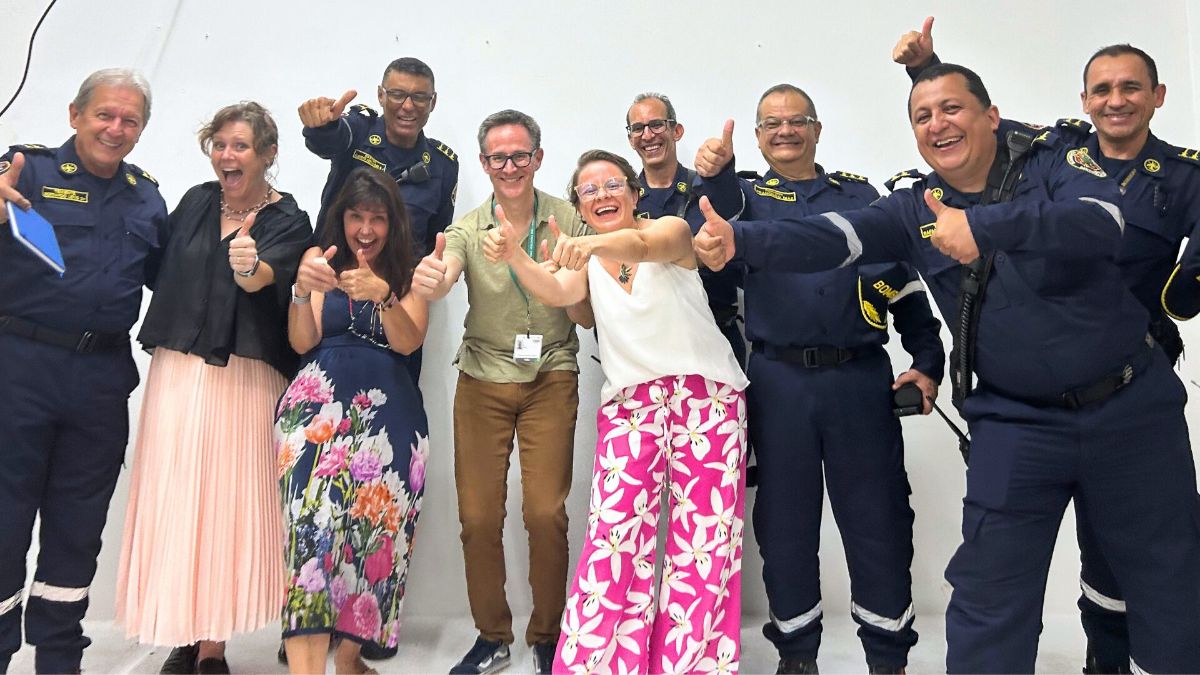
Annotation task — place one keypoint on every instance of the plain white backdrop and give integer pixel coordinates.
(575, 66)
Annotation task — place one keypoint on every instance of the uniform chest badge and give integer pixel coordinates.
(1080, 159)
(425, 157)
(681, 186)
(64, 194)
(778, 195)
(928, 229)
(374, 139)
(130, 179)
(937, 193)
(68, 167)
(773, 182)
(1152, 165)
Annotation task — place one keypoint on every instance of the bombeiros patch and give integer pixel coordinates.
(1080, 159)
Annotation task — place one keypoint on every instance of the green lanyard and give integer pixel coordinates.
(532, 254)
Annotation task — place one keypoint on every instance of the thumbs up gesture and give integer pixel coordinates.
(500, 243)
(431, 271)
(314, 273)
(952, 234)
(570, 252)
(715, 153)
(317, 112)
(914, 49)
(713, 244)
(361, 283)
(243, 254)
(9, 173)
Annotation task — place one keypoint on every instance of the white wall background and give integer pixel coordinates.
(575, 66)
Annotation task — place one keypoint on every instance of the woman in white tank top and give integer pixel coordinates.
(674, 416)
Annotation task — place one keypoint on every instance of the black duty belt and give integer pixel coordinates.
(1102, 388)
(821, 356)
(84, 343)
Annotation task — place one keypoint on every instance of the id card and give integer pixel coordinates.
(528, 348)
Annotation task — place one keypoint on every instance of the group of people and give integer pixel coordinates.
(282, 420)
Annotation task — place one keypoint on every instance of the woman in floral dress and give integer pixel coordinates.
(351, 431)
(674, 418)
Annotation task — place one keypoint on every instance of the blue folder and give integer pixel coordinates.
(36, 234)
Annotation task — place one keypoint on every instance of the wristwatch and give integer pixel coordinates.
(299, 299)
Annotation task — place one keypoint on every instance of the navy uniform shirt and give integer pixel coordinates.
(427, 172)
(109, 229)
(1056, 314)
(846, 307)
(682, 199)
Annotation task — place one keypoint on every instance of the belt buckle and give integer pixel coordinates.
(87, 342)
(810, 357)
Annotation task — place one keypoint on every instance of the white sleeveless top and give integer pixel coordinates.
(663, 327)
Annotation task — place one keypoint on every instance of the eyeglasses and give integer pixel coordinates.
(419, 99)
(520, 160)
(655, 126)
(590, 191)
(797, 123)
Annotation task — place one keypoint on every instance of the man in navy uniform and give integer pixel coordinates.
(671, 189)
(820, 401)
(1160, 201)
(394, 141)
(1073, 397)
(67, 368)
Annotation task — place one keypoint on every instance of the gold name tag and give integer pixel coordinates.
(369, 160)
(64, 194)
(775, 194)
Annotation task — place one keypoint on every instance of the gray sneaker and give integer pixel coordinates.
(485, 657)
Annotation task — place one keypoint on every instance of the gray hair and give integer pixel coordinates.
(506, 117)
(115, 77)
(653, 95)
(785, 89)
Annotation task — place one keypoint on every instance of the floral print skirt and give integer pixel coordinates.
(352, 442)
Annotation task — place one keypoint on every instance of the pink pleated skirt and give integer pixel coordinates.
(202, 553)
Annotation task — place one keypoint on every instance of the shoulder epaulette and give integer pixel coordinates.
(1032, 125)
(143, 173)
(912, 174)
(364, 110)
(1075, 126)
(444, 149)
(34, 148)
(853, 177)
(1187, 155)
(749, 174)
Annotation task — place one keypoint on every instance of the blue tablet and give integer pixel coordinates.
(36, 234)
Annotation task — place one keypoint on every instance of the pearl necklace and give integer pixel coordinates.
(240, 215)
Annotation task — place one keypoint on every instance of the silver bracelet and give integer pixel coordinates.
(298, 299)
(253, 268)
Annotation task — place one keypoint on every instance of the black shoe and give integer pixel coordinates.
(543, 657)
(281, 655)
(1093, 667)
(373, 652)
(878, 669)
(181, 661)
(485, 657)
(212, 666)
(796, 666)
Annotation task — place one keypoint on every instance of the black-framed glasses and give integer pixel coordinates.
(655, 127)
(419, 99)
(519, 159)
(590, 191)
(799, 123)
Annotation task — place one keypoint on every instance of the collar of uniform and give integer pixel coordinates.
(681, 174)
(67, 157)
(943, 192)
(379, 126)
(822, 179)
(487, 220)
(1148, 161)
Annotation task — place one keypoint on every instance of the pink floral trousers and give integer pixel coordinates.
(691, 432)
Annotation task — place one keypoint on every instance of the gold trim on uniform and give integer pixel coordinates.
(425, 157)
(64, 194)
(369, 159)
(447, 152)
(774, 194)
(937, 193)
(68, 167)
(1080, 159)
(869, 313)
(1188, 153)
(130, 179)
(681, 186)
(374, 139)
(1152, 165)
(773, 182)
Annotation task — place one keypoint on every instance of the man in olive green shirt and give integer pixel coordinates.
(518, 374)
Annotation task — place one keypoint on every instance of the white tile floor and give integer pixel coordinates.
(432, 645)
